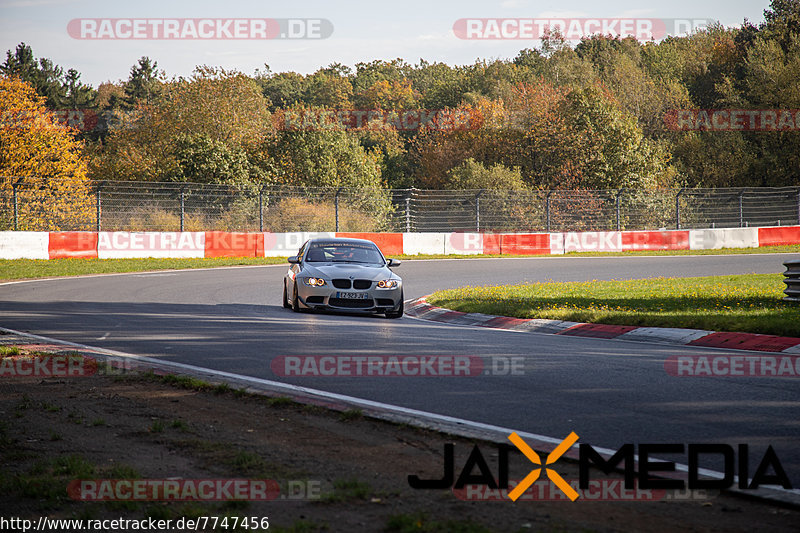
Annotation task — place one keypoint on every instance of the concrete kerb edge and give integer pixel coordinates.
(443, 424)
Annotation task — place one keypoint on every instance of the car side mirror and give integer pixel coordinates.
(294, 260)
(394, 262)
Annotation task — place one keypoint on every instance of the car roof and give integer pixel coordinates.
(345, 240)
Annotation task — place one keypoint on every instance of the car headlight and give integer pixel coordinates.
(387, 284)
(314, 282)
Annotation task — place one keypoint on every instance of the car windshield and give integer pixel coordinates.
(334, 252)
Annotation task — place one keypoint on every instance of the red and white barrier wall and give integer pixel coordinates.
(124, 244)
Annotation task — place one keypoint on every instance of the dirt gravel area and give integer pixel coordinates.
(337, 471)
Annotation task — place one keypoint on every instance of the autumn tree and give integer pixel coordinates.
(217, 113)
(46, 162)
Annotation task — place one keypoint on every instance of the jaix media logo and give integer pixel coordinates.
(653, 474)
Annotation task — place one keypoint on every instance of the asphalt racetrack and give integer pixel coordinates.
(609, 392)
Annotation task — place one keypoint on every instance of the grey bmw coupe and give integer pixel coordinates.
(344, 275)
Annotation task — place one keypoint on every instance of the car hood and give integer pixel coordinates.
(347, 270)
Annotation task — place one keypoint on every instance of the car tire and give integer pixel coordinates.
(295, 300)
(285, 299)
(396, 313)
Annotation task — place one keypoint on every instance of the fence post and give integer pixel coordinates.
(741, 210)
(678, 208)
(182, 208)
(408, 210)
(99, 207)
(478, 210)
(336, 206)
(547, 210)
(617, 202)
(261, 209)
(14, 184)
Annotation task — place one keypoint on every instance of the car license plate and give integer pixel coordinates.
(352, 295)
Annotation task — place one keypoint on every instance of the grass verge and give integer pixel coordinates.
(42, 268)
(15, 269)
(748, 303)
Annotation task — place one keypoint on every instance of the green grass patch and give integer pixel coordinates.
(347, 490)
(350, 414)
(182, 382)
(281, 401)
(248, 462)
(179, 424)
(42, 268)
(748, 303)
(46, 479)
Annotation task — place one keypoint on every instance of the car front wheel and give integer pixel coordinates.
(398, 312)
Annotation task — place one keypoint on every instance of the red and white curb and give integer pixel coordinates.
(420, 308)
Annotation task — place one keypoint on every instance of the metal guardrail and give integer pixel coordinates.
(792, 281)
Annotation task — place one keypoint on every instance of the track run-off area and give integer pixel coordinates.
(608, 392)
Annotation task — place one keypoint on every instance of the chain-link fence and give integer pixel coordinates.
(147, 206)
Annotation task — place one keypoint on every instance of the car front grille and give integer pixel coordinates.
(352, 304)
(315, 299)
(385, 302)
(362, 284)
(341, 283)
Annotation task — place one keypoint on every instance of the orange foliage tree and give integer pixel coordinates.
(45, 160)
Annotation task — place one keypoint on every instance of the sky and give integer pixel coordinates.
(360, 31)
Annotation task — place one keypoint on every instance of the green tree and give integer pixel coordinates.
(201, 159)
(472, 174)
(46, 77)
(78, 95)
(322, 159)
(144, 83)
(328, 88)
(283, 90)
